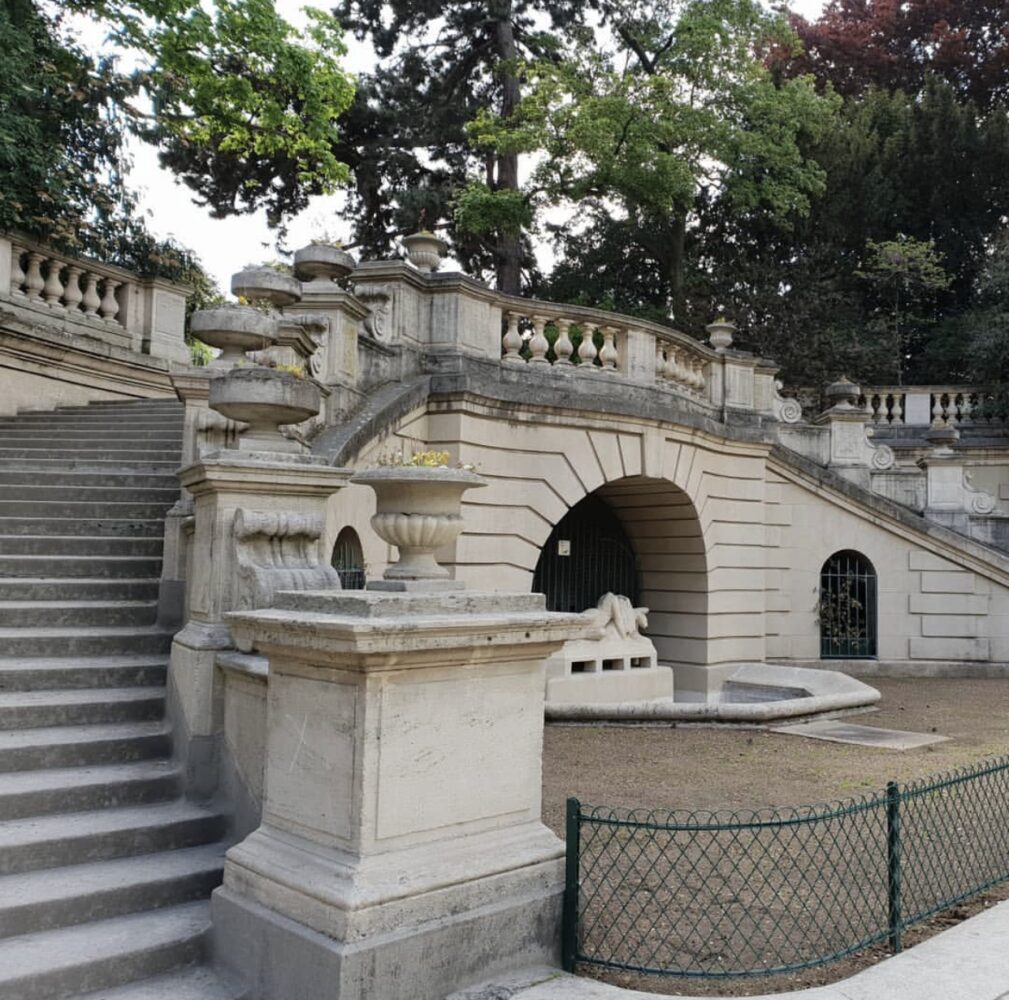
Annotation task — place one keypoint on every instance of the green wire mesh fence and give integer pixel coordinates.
(711, 895)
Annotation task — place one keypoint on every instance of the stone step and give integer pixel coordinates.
(85, 452)
(110, 467)
(64, 897)
(102, 421)
(117, 510)
(53, 964)
(80, 672)
(29, 614)
(101, 835)
(80, 706)
(95, 527)
(126, 431)
(80, 566)
(79, 545)
(197, 983)
(112, 492)
(76, 789)
(82, 588)
(60, 477)
(84, 640)
(122, 405)
(70, 746)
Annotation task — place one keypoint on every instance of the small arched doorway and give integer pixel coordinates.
(588, 554)
(348, 559)
(848, 607)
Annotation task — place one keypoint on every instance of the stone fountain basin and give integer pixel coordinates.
(754, 693)
(258, 395)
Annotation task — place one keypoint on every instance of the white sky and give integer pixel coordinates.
(226, 245)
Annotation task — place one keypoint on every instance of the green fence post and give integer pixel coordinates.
(894, 920)
(569, 923)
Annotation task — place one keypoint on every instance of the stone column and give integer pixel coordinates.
(401, 854)
(258, 521)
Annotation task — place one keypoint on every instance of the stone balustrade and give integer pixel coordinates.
(569, 339)
(921, 406)
(93, 300)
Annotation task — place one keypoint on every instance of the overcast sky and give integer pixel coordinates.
(226, 245)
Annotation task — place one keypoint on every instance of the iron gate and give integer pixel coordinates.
(848, 619)
(348, 559)
(588, 554)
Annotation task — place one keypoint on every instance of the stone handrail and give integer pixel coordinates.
(924, 405)
(94, 300)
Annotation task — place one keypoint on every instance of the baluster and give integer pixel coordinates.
(73, 295)
(608, 356)
(91, 300)
(966, 408)
(673, 370)
(110, 306)
(696, 379)
(875, 405)
(867, 406)
(512, 341)
(17, 273)
(52, 291)
(538, 345)
(701, 380)
(587, 348)
(660, 362)
(898, 408)
(563, 347)
(937, 414)
(34, 282)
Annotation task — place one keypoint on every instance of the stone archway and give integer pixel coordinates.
(661, 525)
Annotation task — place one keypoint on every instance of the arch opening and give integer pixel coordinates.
(588, 554)
(348, 559)
(848, 611)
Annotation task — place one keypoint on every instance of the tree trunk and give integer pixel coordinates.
(675, 269)
(508, 246)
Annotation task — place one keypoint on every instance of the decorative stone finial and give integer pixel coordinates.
(843, 393)
(425, 250)
(322, 263)
(720, 333)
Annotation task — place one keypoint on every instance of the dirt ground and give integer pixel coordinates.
(690, 767)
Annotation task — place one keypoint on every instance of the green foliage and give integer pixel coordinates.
(478, 209)
(241, 105)
(200, 354)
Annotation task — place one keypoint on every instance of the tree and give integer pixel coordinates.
(405, 138)
(858, 44)
(679, 113)
(242, 107)
(904, 275)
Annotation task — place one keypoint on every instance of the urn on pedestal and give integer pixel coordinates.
(265, 399)
(419, 509)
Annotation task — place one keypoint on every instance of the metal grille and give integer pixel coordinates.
(348, 560)
(714, 895)
(847, 607)
(588, 554)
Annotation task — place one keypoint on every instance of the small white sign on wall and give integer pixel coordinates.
(563, 546)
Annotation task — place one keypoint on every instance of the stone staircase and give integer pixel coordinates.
(105, 869)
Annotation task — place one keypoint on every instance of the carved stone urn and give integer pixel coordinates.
(264, 284)
(233, 330)
(265, 399)
(419, 509)
(425, 250)
(720, 333)
(322, 263)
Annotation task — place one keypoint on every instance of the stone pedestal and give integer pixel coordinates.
(258, 518)
(401, 854)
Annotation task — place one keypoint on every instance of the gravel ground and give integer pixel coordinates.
(691, 767)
